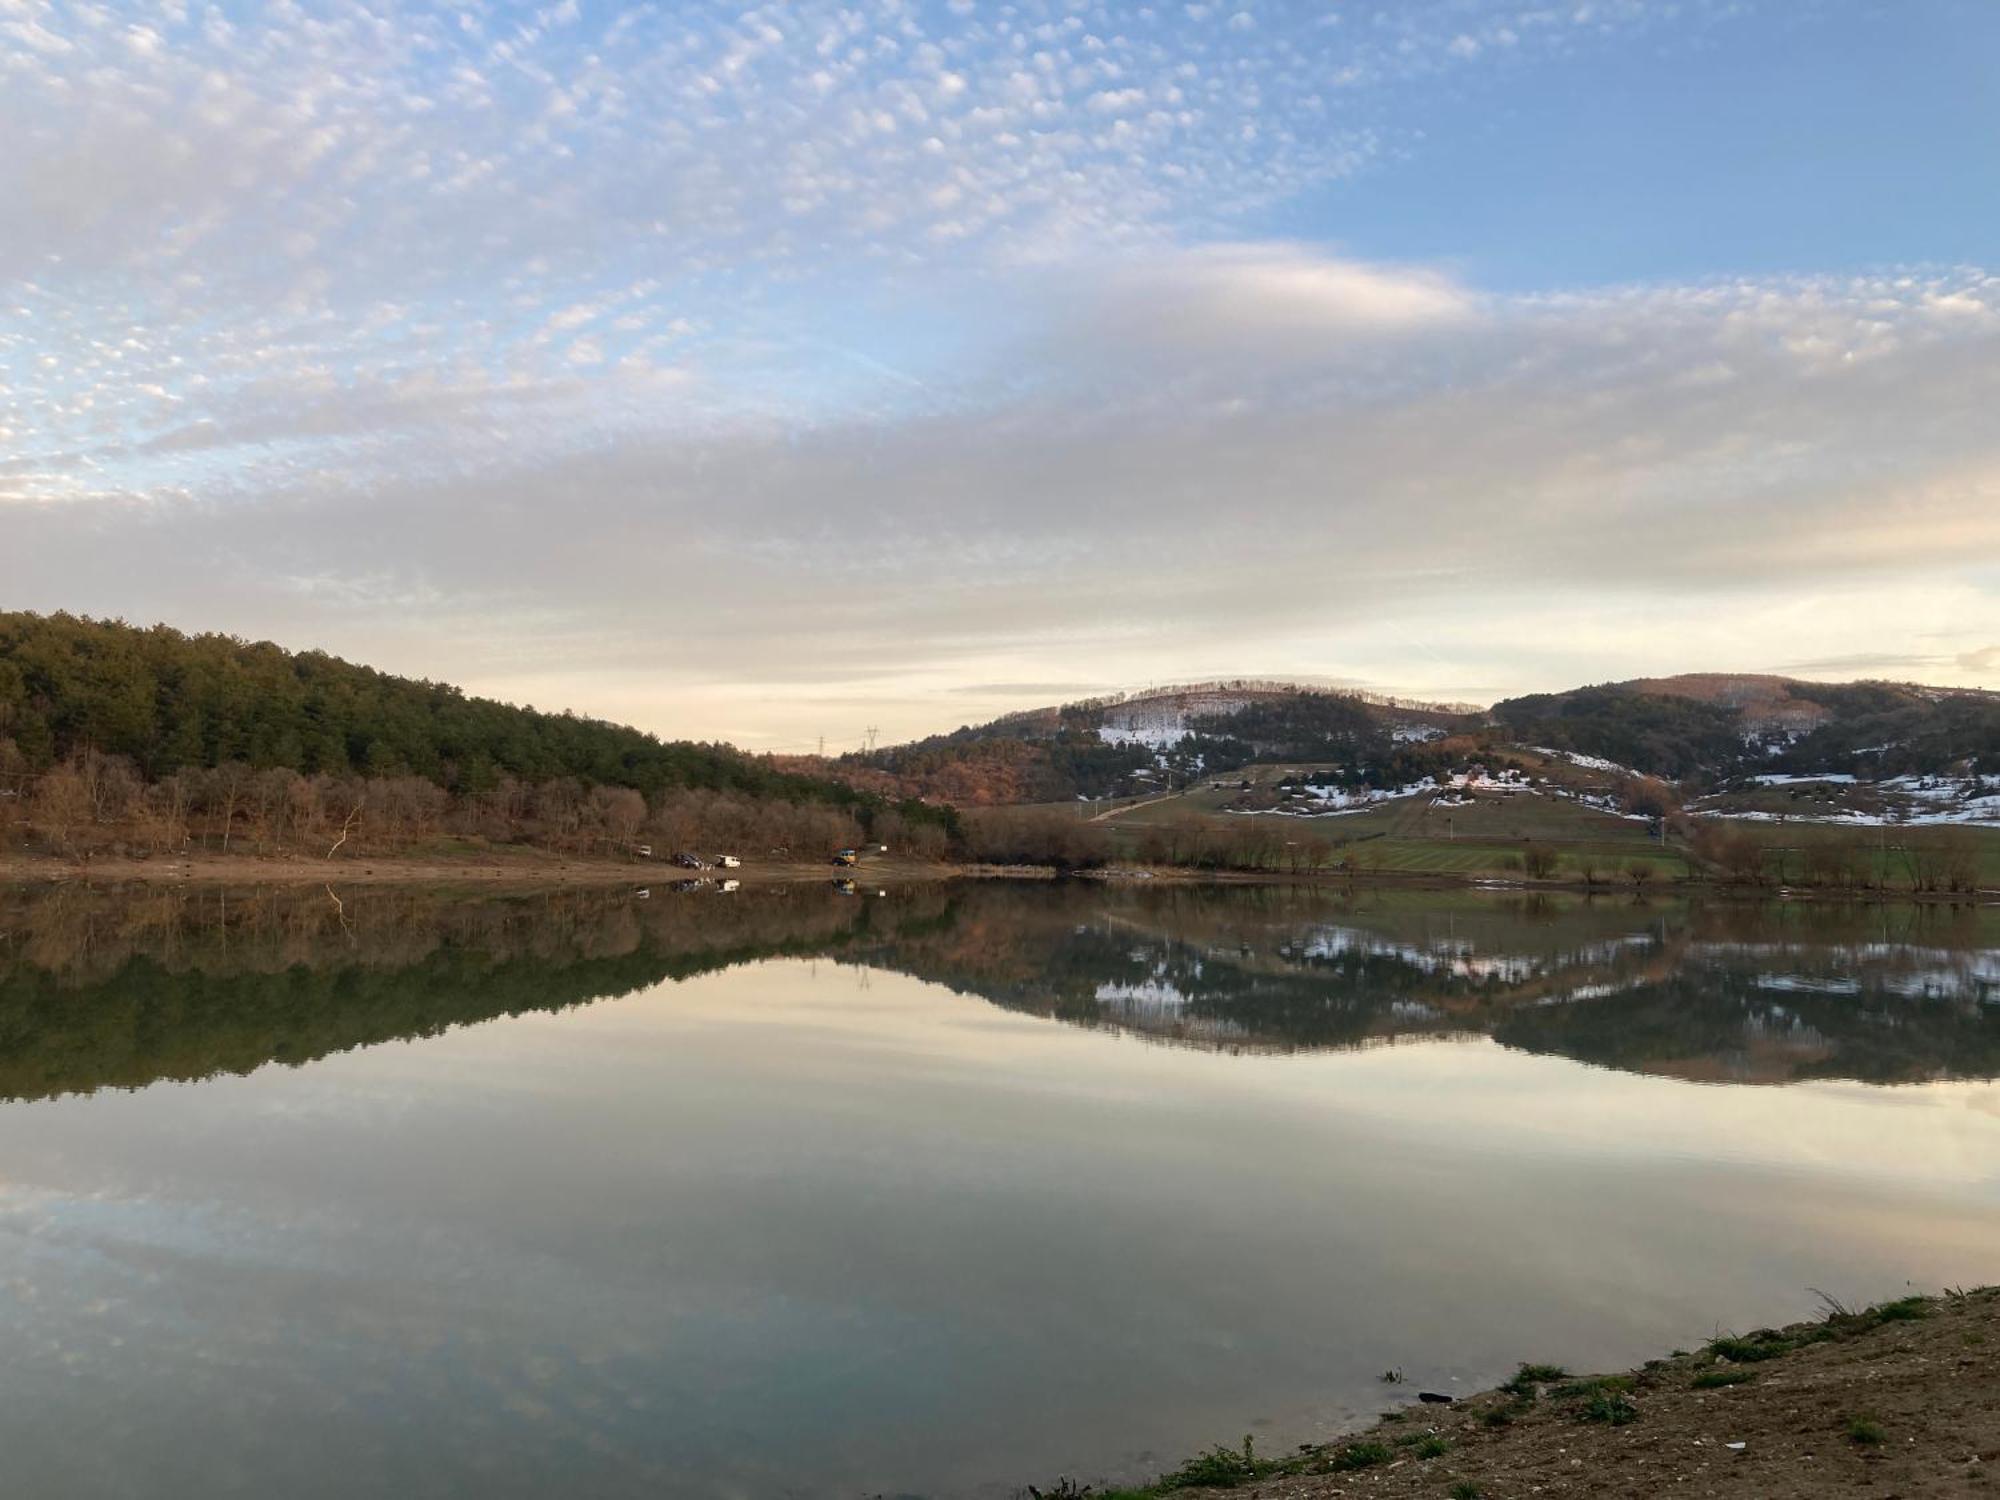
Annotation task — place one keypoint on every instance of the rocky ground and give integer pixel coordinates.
(1896, 1402)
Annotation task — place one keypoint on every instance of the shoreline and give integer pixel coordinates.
(1896, 1399)
(493, 868)
(514, 866)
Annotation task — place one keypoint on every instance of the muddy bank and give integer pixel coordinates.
(1899, 1400)
(472, 868)
(523, 866)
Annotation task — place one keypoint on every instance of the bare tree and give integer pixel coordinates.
(60, 803)
(227, 787)
(620, 813)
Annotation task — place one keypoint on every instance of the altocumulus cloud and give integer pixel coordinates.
(721, 368)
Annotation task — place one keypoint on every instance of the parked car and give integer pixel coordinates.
(690, 862)
(644, 851)
(727, 862)
(846, 857)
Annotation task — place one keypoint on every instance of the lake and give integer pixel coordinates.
(936, 1191)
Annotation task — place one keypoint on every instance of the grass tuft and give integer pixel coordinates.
(1351, 1456)
(1613, 1408)
(1751, 1350)
(1902, 1310)
(1529, 1379)
(1220, 1468)
(1865, 1431)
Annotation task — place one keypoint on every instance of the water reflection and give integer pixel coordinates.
(766, 1194)
(109, 989)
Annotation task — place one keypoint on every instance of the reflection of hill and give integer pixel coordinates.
(1747, 994)
(100, 990)
(1264, 968)
(97, 993)
(1726, 1015)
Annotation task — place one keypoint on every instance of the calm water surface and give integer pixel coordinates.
(789, 1193)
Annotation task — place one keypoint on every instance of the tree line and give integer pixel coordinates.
(116, 736)
(100, 804)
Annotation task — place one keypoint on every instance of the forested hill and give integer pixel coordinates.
(169, 702)
(1711, 726)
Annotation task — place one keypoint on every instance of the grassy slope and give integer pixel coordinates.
(1410, 836)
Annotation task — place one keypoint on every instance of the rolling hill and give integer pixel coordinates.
(1712, 736)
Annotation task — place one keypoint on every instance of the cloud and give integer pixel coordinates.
(1051, 692)
(1540, 476)
(721, 363)
(1975, 668)
(1262, 301)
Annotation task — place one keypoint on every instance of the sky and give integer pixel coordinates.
(797, 371)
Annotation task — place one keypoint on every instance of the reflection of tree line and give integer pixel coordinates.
(101, 989)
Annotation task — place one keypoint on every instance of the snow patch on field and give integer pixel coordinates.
(1308, 801)
(1909, 802)
(1587, 762)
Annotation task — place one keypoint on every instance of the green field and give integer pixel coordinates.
(1487, 838)
(1411, 836)
(1882, 854)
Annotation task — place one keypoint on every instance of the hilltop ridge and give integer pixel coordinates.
(1698, 729)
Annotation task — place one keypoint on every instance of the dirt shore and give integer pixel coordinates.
(505, 865)
(491, 867)
(1902, 1400)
